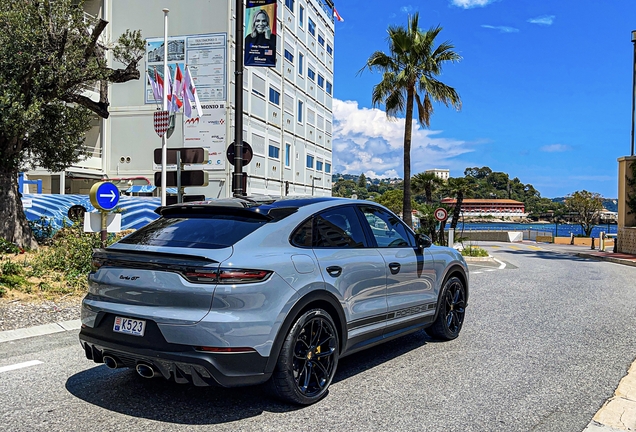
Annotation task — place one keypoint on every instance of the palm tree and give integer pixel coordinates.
(409, 75)
(426, 183)
(458, 188)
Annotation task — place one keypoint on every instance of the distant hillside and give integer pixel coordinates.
(611, 204)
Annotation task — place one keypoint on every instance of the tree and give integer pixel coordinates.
(458, 188)
(409, 75)
(50, 54)
(343, 188)
(362, 182)
(426, 183)
(587, 206)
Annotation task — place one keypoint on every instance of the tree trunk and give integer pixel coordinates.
(407, 216)
(457, 210)
(13, 222)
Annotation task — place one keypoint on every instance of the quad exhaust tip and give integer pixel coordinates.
(145, 370)
(111, 362)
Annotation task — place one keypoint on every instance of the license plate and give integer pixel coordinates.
(129, 326)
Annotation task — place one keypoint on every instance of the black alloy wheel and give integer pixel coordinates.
(308, 360)
(452, 308)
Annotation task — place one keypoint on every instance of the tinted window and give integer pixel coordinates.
(210, 231)
(337, 228)
(388, 230)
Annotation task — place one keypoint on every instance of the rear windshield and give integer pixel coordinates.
(206, 231)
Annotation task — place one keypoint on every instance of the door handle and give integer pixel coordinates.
(334, 271)
(394, 267)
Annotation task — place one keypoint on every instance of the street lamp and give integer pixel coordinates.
(313, 179)
(633, 90)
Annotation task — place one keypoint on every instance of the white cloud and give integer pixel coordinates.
(544, 20)
(555, 148)
(407, 9)
(365, 141)
(468, 4)
(502, 29)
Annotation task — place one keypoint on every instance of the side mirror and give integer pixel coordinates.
(423, 242)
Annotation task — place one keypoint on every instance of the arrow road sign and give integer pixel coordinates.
(104, 196)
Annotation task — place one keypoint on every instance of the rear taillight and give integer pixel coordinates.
(227, 276)
(96, 263)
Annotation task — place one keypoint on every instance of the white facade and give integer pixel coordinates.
(287, 109)
(444, 174)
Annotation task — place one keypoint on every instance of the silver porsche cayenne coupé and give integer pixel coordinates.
(241, 291)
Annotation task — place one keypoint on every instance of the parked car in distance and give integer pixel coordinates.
(242, 291)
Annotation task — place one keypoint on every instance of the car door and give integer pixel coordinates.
(351, 269)
(410, 272)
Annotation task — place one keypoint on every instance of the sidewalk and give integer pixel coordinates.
(586, 252)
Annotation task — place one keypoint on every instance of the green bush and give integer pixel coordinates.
(10, 268)
(474, 251)
(42, 230)
(70, 254)
(7, 247)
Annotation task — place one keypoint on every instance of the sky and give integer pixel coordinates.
(546, 90)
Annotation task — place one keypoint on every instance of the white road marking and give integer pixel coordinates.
(502, 265)
(475, 272)
(20, 365)
(489, 270)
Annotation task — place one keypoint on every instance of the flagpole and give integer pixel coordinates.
(164, 139)
(238, 100)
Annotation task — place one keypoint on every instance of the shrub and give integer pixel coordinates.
(42, 230)
(474, 251)
(7, 247)
(10, 268)
(70, 254)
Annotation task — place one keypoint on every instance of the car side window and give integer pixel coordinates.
(338, 228)
(388, 230)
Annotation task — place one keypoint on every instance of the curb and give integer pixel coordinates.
(607, 258)
(11, 335)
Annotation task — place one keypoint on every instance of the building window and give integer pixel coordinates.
(329, 50)
(300, 111)
(321, 81)
(287, 155)
(329, 87)
(327, 167)
(311, 74)
(301, 59)
(290, 4)
(318, 166)
(301, 15)
(274, 96)
(312, 27)
(289, 56)
(274, 152)
(310, 161)
(321, 40)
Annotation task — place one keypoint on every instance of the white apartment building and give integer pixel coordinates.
(443, 174)
(287, 116)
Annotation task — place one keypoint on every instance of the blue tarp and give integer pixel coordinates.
(141, 188)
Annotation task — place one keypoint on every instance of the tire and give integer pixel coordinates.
(308, 359)
(452, 308)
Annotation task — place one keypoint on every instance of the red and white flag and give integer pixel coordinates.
(174, 103)
(178, 88)
(337, 16)
(155, 88)
(191, 95)
(159, 82)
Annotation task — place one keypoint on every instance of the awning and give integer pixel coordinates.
(140, 189)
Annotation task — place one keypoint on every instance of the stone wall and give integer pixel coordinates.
(627, 240)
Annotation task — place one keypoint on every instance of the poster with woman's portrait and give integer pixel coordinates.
(260, 33)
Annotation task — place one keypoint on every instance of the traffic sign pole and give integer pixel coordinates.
(164, 139)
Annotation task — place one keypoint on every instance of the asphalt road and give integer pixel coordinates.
(546, 340)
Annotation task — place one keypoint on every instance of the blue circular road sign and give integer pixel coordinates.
(104, 196)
